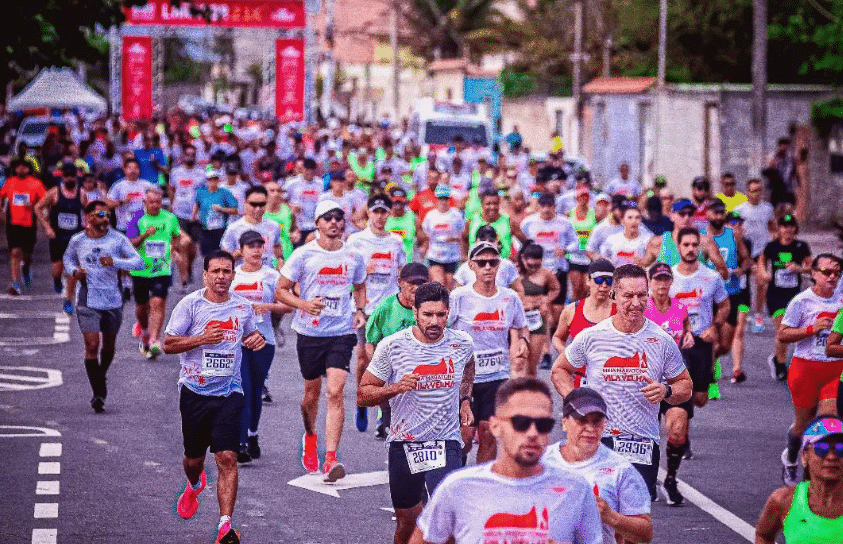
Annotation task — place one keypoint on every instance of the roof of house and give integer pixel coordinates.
(461, 65)
(619, 85)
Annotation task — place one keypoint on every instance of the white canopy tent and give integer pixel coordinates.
(57, 88)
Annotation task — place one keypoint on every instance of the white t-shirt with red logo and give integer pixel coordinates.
(699, 292)
(212, 369)
(444, 231)
(621, 250)
(331, 276)
(488, 321)
(804, 310)
(611, 477)
(269, 230)
(431, 411)
(553, 234)
(384, 256)
(477, 506)
(186, 183)
(615, 365)
(306, 195)
(132, 193)
(258, 287)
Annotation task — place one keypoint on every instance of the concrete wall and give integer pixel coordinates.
(537, 117)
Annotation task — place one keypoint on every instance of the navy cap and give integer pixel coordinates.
(250, 237)
(683, 203)
(583, 401)
(660, 269)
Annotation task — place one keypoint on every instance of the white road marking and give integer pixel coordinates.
(48, 510)
(49, 467)
(5, 296)
(314, 482)
(21, 378)
(44, 536)
(21, 431)
(716, 511)
(61, 329)
(50, 449)
(47, 487)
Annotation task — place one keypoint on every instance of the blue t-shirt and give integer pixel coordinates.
(210, 219)
(147, 170)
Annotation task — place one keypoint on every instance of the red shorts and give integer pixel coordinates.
(813, 381)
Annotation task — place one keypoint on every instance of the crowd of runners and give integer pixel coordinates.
(442, 282)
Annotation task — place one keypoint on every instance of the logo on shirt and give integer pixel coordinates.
(625, 369)
(690, 297)
(337, 275)
(546, 236)
(489, 321)
(250, 291)
(436, 376)
(229, 328)
(830, 315)
(529, 528)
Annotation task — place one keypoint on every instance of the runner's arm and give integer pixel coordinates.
(770, 522)
(712, 251)
(180, 344)
(372, 390)
(467, 382)
(129, 258)
(418, 538)
(562, 374)
(563, 329)
(635, 528)
(654, 245)
(682, 386)
(42, 206)
(833, 347)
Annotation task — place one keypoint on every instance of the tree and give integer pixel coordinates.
(441, 26)
(808, 41)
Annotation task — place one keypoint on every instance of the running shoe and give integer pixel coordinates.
(227, 535)
(362, 419)
(671, 492)
(243, 455)
(546, 362)
(332, 471)
(718, 370)
(713, 391)
(738, 377)
(154, 351)
(188, 501)
(14, 289)
(688, 455)
(778, 371)
(280, 337)
(137, 331)
(57, 286)
(309, 454)
(143, 349)
(98, 404)
(380, 432)
(67, 307)
(788, 470)
(267, 398)
(254, 448)
(26, 272)
(758, 326)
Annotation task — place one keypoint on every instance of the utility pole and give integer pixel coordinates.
(396, 67)
(328, 82)
(662, 41)
(576, 77)
(662, 68)
(759, 84)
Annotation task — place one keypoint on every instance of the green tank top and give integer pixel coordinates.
(472, 205)
(583, 226)
(363, 172)
(284, 218)
(669, 253)
(501, 226)
(802, 526)
(405, 227)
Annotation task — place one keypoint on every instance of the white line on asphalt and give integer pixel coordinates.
(46, 510)
(47, 487)
(21, 431)
(716, 511)
(35, 378)
(50, 449)
(51, 467)
(44, 536)
(314, 482)
(5, 296)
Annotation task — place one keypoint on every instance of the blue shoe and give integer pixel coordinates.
(27, 276)
(14, 289)
(67, 307)
(362, 419)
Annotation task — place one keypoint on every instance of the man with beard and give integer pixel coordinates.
(185, 181)
(23, 191)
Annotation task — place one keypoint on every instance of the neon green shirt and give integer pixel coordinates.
(155, 250)
(501, 226)
(803, 526)
(405, 227)
(284, 218)
(388, 317)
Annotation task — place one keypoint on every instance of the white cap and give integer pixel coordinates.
(212, 173)
(324, 207)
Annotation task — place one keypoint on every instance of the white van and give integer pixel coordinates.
(436, 124)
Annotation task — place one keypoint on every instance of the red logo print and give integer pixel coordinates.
(443, 367)
(229, 328)
(385, 256)
(830, 315)
(530, 520)
(625, 369)
(497, 315)
(338, 270)
(440, 375)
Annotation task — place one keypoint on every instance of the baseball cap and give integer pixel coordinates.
(602, 197)
(700, 182)
(735, 217)
(716, 205)
(547, 199)
(683, 203)
(480, 247)
(601, 267)
(379, 202)
(326, 206)
(337, 176)
(212, 173)
(619, 201)
(583, 401)
(660, 269)
(786, 220)
(398, 195)
(442, 191)
(414, 271)
(250, 237)
(821, 428)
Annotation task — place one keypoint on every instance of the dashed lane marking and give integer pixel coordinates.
(47, 487)
(24, 378)
(60, 335)
(50, 449)
(46, 510)
(23, 431)
(49, 467)
(44, 536)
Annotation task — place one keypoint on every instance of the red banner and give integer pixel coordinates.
(241, 13)
(289, 79)
(137, 77)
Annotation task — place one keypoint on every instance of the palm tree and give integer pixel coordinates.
(442, 27)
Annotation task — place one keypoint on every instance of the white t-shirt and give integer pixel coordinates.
(258, 287)
(699, 292)
(621, 250)
(430, 411)
(305, 194)
(444, 230)
(270, 231)
(488, 321)
(803, 310)
(477, 506)
(134, 191)
(756, 219)
(611, 477)
(384, 256)
(615, 365)
(186, 183)
(238, 191)
(628, 188)
(506, 276)
(553, 234)
(330, 275)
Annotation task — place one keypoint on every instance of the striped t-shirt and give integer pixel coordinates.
(431, 411)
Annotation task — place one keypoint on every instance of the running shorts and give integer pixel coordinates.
(408, 489)
(319, 353)
(688, 406)
(145, 288)
(449, 268)
(483, 400)
(57, 249)
(101, 321)
(562, 276)
(739, 302)
(20, 237)
(191, 228)
(648, 472)
(812, 381)
(699, 360)
(778, 299)
(210, 240)
(210, 421)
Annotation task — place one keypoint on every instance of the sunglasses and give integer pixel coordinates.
(685, 214)
(821, 449)
(416, 282)
(600, 280)
(522, 424)
(482, 263)
(257, 204)
(102, 215)
(334, 216)
(828, 272)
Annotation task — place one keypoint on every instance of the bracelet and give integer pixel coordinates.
(465, 398)
(810, 330)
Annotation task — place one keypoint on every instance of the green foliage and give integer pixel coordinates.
(824, 115)
(516, 84)
(440, 27)
(810, 36)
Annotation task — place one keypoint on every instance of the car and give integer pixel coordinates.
(33, 130)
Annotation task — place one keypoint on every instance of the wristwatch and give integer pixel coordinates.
(668, 392)
(469, 399)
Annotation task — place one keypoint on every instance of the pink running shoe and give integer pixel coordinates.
(188, 501)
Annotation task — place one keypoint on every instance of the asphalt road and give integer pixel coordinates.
(114, 477)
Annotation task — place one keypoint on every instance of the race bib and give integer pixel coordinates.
(332, 306)
(786, 279)
(20, 199)
(424, 456)
(635, 450)
(378, 278)
(155, 249)
(489, 361)
(215, 220)
(819, 343)
(68, 221)
(694, 318)
(534, 319)
(217, 364)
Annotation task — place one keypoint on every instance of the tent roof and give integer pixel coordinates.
(57, 88)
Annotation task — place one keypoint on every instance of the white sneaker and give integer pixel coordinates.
(788, 470)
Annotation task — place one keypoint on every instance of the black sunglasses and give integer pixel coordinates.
(523, 423)
(600, 280)
(482, 263)
(416, 282)
(334, 216)
(257, 204)
(821, 449)
(102, 215)
(828, 272)
(685, 214)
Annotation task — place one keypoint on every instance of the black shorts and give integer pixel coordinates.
(319, 353)
(209, 421)
(483, 400)
(699, 360)
(574, 267)
(778, 299)
(20, 237)
(210, 240)
(562, 276)
(191, 228)
(57, 249)
(145, 288)
(649, 472)
(408, 489)
(449, 268)
(688, 406)
(736, 301)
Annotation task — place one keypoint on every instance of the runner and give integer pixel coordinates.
(93, 258)
(443, 249)
(22, 191)
(507, 271)
(537, 286)
(610, 225)
(780, 267)
(490, 214)
(402, 222)
(185, 181)
(255, 282)
(532, 501)
(622, 497)
(760, 226)
(126, 196)
(629, 245)
(494, 318)
(426, 373)
(155, 233)
(813, 510)
(213, 207)
(620, 354)
(390, 316)
(207, 329)
(383, 253)
(833, 349)
(60, 213)
(813, 376)
(583, 220)
(347, 201)
(743, 301)
(623, 184)
(253, 219)
(279, 211)
(700, 195)
(729, 195)
(329, 274)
